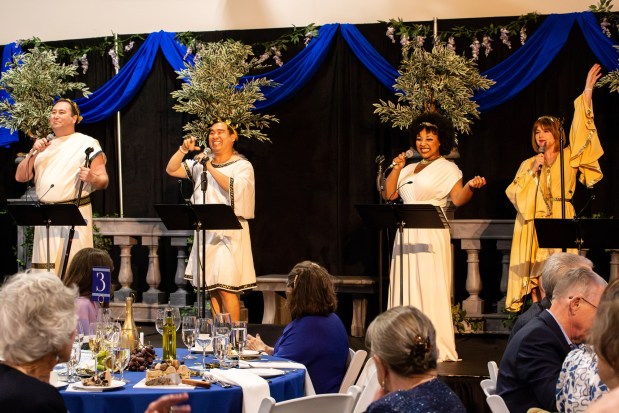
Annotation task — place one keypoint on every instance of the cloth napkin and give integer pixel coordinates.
(309, 387)
(254, 387)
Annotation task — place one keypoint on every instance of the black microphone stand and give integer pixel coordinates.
(380, 186)
(78, 199)
(202, 284)
(562, 165)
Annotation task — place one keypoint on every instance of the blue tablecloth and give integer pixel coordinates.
(215, 399)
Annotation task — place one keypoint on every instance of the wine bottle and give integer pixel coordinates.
(169, 336)
(129, 335)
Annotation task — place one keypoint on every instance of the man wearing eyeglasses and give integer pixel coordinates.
(533, 358)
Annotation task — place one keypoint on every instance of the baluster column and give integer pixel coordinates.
(153, 276)
(125, 275)
(473, 305)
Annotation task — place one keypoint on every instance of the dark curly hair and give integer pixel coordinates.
(437, 123)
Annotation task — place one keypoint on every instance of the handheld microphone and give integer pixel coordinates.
(49, 138)
(208, 153)
(541, 150)
(398, 188)
(409, 154)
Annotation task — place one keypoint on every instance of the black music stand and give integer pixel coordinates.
(198, 217)
(587, 233)
(45, 215)
(401, 216)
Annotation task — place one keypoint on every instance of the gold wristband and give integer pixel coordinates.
(180, 148)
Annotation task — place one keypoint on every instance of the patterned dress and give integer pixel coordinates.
(579, 383)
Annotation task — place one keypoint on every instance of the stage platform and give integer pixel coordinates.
(463, 376)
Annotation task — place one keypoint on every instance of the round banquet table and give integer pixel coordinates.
(215, 399)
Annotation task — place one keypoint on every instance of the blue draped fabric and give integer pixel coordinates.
(295, 74)
(11, 49)
(369, 57)
(599, 44)
(520, 69)
(511, 76)
(120, 90)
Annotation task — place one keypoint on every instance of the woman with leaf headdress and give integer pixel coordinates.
(223, 111)
(434, 90)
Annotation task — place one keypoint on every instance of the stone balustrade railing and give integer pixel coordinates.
(126, 232)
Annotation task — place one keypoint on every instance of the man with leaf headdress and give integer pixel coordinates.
(222, 109)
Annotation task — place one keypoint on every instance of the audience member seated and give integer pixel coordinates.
(402, 341)
(605, 340)
(80, 274)
(530, 366)
(555, 266)
(37, 329)
(316, 337)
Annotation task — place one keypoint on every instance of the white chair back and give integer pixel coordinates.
(367, 393)
(322, 403)
(357, 359)
(497, 404)
(488, 386)
(368, 368)
(493, 370)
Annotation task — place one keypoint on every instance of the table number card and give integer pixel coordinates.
(101, 283)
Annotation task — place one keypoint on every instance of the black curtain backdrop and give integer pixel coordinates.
(321, 161)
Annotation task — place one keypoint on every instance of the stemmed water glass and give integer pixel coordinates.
(95, 339)
(121, 360)
(223, 324)
(74, 359)
(204, 336)
(189, 334)
(239, 337)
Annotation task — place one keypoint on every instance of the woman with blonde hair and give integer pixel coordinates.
(402, 341)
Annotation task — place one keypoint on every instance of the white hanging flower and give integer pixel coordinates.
(404, 40)
(420, 40)
(114, 58)
(505, 37)
(308, 37)
(486, 44)
(475, 48)
(391, 33)
(277, 56)
(75, 63)
(523, 35)
(84, 62)
(263, 57)
(604, 24)
(188, 52)
(129, 46)
(451, 43)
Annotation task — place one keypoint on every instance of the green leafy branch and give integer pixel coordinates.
(212, 91)
(437, 81)
(34, 81)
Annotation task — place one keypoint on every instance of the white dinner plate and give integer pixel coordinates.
(114, 385)
(266, 372)
(59, 384)
(142, 385)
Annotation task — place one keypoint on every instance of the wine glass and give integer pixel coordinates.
(176, 317)
(160, 320)
(74, 359)
(95, 338)
(189, 334)
(204, 336)
(223, 323)
(121, 360)
(220, 348)
(239, 337)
